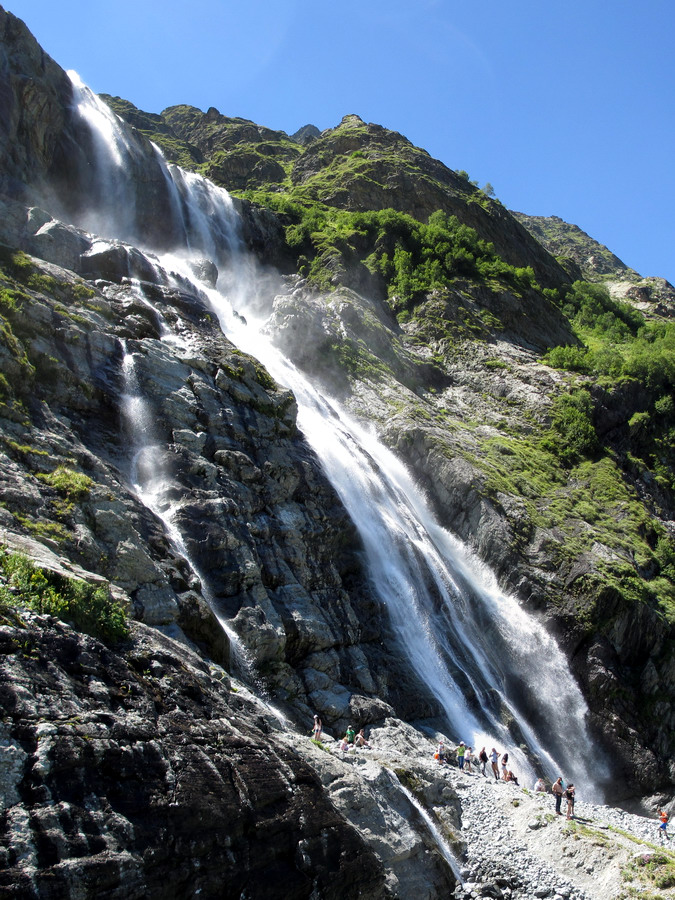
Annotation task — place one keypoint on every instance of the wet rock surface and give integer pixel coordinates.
(142, 773)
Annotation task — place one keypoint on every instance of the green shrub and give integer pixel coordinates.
(574, 359)
(70, 484)
(572, 435)
(665, 555)
(86, 607)
(413, 258)
(590, 306)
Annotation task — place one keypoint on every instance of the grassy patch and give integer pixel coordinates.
(649, 874)
(579, 831)
(43, 528)
(86, 607)
(70, 484)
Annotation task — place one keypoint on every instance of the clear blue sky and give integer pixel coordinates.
(566, 108)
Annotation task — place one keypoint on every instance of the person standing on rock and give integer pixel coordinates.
(351, 734)
(468, 756)
(663, 825)
(569, 796)
(557, 791)
(505, 767)
(461, 750)
(483, 757)
(317, 729)
(494, 758)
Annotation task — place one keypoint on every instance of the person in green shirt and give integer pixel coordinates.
(461, 750)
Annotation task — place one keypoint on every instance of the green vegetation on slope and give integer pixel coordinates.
(620, 347)
(573, 481)
(86, 607)
(412, 258)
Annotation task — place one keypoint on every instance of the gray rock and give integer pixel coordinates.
(59, 244)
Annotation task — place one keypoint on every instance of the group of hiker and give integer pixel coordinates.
(466, 760)
(350, 740)
(501, 771)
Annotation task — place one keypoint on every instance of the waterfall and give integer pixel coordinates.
(112, 151)
(431, 826)
(480, 653)
(136, 196)
(500, 679)
(149, 477)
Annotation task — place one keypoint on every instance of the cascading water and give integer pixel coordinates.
(112, 150)
(498, 676)
(431, 826)
(149, 476)
(486, 660)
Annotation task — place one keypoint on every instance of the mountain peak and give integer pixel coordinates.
(306, 134)
(351, 120)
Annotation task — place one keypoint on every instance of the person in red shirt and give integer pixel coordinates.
(663, 826)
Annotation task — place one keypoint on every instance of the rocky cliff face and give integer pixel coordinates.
(217, 788)
(575, 248)
(276, 555)
(142, 775)
(585, 258)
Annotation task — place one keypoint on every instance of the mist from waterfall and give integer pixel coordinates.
(500, 679)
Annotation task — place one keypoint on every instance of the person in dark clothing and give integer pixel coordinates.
(557, 790)
(569, 796)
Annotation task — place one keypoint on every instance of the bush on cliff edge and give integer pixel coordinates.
(86, 607)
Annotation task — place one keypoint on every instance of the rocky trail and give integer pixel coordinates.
(515, 839)
(514, 846)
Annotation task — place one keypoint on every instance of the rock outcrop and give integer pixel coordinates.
(574, 247)
(145, 775)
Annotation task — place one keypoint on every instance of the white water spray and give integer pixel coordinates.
(485, 659)
(112, 152)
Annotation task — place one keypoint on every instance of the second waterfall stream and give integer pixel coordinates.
(485, 659)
